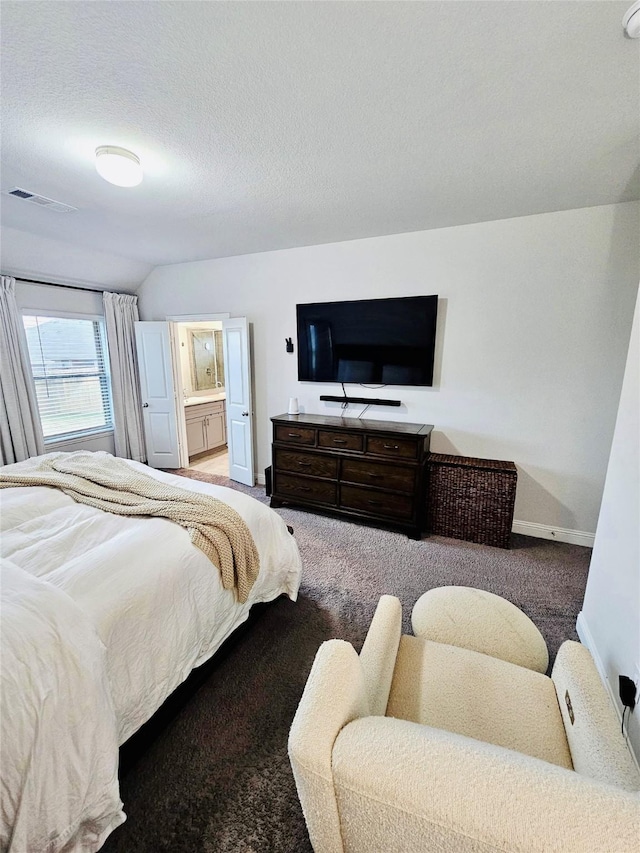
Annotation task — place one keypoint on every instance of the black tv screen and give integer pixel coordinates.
(368, 341)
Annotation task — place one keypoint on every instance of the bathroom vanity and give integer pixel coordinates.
(205, 418)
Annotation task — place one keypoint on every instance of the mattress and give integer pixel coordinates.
(154, 601)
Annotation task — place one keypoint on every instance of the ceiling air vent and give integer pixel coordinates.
(40, 200)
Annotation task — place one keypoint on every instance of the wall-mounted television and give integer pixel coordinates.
(368, 341)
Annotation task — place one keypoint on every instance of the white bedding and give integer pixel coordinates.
(57, 713)
(155, 600)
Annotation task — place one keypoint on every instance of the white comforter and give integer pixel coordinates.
(57, 713)
(154, 599)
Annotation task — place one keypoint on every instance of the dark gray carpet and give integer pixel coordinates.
(217, 779)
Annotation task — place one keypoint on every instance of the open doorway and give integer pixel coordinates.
(203, 387)
(170, 390)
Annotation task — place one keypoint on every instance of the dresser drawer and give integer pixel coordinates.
(339, 440)
(322, 491)
(295, 435)
(401, 448)
(377, 503)
(306, 463)
(380, 474)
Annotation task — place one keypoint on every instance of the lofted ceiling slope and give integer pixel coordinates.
(270, 125)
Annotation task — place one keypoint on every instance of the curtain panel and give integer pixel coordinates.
(20, 430)
(120, 313)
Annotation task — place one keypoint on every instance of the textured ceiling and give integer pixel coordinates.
(270, 125)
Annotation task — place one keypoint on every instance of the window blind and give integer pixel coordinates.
(70, 374)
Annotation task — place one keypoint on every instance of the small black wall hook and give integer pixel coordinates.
(289, 344)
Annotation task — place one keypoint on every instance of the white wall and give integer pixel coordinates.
(535, 316)
(26, 255)
(609, 623)
(39, 298)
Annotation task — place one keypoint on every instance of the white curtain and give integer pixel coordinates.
(120, 313)
(20, 429)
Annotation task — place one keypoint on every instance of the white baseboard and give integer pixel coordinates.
(560, 534)
(260, 480)
(587, 640)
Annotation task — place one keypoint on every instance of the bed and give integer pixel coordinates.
(103, 617)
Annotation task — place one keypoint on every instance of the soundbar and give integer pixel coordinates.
(365, 400)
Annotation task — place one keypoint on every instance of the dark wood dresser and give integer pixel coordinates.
(373, 472)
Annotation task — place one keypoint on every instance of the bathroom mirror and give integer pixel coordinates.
(207, 361)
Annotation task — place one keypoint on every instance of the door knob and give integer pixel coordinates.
(145, 405)
(245, 414)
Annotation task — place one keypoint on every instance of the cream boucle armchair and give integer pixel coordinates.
(419, 746)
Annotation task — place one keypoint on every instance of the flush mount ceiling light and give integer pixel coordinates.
(631, 21)
(118, 166)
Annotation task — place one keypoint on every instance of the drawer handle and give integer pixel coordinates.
(339, 440)
(391, 447)
(305, 464)
(373, 503)
(374, 476)
(294, 435)
(304, 488)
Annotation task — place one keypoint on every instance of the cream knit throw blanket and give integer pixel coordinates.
(105, 482)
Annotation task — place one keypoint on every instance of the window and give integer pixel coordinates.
(69, 367)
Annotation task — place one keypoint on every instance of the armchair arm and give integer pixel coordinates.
(334, 695)
(598, 748)
(379, 652)
(402, 787)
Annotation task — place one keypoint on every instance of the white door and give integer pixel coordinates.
(237, 376)
(157, 389)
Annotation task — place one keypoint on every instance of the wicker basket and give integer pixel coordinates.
(471, 499)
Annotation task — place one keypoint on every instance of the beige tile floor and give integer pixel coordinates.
(213, 463)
